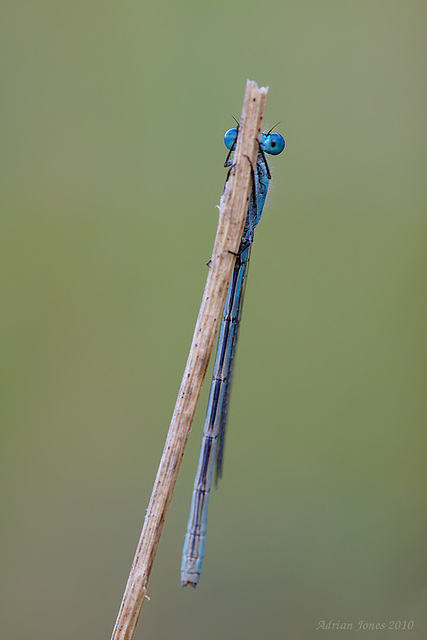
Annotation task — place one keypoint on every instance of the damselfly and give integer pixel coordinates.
(216, 417)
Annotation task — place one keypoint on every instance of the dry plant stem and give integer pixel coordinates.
(232, 213)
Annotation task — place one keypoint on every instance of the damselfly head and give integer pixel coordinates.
(271, 143)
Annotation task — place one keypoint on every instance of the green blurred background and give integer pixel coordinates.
(112, 153)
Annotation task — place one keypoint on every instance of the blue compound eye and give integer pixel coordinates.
(230, 138)
(273, 143)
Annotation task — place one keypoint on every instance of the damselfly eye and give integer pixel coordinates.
(230, 138)
(273, 144)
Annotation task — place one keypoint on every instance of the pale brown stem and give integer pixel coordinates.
(232, 213)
